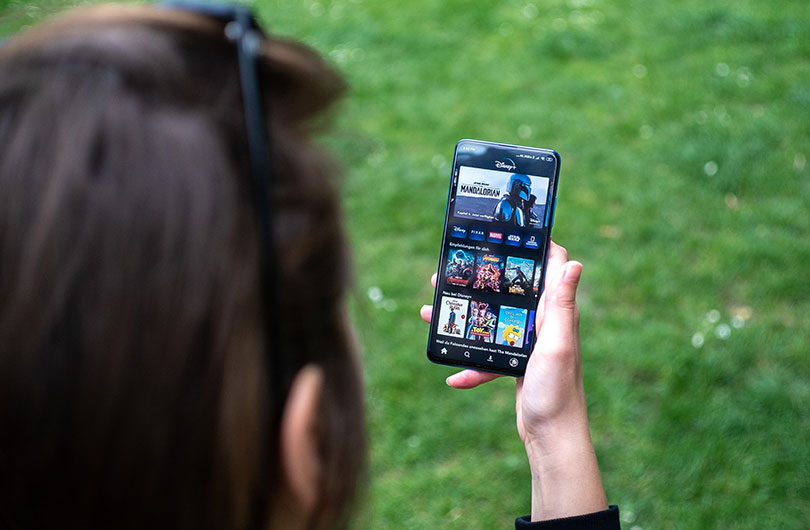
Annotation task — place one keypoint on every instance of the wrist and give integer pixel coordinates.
(565, 474)
(551, 453)
(553, 439)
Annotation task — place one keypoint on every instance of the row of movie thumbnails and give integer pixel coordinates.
(485, 322)
(490, 272)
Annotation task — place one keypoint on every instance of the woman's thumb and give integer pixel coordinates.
(561, 301)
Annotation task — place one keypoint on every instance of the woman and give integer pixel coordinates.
(158, 365)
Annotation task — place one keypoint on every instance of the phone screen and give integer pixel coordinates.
(500, 210)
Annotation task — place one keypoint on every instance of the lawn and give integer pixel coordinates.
(684, 130)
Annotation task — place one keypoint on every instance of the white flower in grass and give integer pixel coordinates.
(375, 294)
(628, 516)
(645, 132)
(524, 131)
(723, 331)
(799, 161)
(744, 77)
(713, 316)
(316, 9)
(640, 71)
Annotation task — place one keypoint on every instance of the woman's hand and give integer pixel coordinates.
(552, 418)
(551, 395)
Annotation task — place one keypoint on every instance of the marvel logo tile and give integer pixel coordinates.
(495, 237)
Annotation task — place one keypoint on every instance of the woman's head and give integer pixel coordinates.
(138, 387)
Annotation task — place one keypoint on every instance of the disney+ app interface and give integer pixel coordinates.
(492, 257)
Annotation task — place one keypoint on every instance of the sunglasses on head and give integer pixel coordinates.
(241, 28)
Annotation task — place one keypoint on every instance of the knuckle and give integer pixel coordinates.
(563, 301)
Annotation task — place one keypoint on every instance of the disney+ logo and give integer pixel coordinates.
(507, 164)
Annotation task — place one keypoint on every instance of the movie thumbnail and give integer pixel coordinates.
(501, 196)
(538, 274)
(517, 278)
(452, 316)
(459, 269)
(511, 326)
(481, 323)
(488, 272)
(529, 328)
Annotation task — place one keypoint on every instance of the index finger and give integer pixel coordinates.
(470, 379)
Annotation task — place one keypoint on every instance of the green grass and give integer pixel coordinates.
(684, 129)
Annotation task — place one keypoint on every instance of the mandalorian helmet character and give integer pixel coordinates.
(520, 186)
(510, 208)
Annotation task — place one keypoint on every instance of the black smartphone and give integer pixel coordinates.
(497, 228)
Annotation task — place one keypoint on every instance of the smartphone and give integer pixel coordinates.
(497, 228)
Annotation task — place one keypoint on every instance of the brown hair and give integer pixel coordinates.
(133, 364)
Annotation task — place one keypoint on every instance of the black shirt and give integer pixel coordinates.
(606, 520)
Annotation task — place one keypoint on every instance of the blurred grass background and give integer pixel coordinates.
(684, 129)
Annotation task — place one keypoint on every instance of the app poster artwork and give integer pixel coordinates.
(538, 274)
(481, 322)
(511, 326)
(460, 267)
(488, 273)
(529, 328)
(452, 316)
(512, 198)
(517, 277)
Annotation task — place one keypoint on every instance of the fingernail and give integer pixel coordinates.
(572, 272)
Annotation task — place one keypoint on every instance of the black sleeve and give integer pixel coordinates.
(606, 520)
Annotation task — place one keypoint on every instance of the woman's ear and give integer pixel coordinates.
(299, 444)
